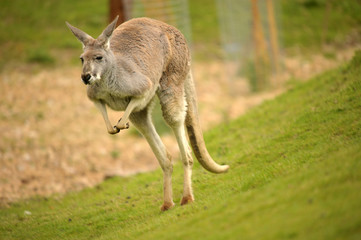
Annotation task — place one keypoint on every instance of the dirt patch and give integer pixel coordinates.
(53, 140)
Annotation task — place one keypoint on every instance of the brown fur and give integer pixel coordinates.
(125, 68)
(187, 199)
(166, 206)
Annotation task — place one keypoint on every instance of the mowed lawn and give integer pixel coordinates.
(295, 174)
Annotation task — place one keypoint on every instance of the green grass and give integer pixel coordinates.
(31, 26)
(307, 25)
(295, 174)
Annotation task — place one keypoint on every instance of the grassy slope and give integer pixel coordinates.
(295, 173)
(310, 24)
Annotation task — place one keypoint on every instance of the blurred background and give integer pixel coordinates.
(53, 140)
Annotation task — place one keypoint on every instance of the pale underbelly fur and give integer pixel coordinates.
(120, 103)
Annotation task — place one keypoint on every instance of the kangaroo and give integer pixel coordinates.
(125, 68)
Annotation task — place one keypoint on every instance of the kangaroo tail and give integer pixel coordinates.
(195, 132)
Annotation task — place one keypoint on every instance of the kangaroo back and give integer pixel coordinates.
(195, 132)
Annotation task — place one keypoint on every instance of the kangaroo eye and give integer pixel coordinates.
(99, 58)
(82, 60)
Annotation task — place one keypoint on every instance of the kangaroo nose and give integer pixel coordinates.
(85, 78)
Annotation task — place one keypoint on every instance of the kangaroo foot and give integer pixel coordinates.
(166, 206)
(187, 199)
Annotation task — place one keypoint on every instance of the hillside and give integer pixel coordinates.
(295, 174)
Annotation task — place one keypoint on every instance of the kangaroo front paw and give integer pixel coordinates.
(122, 126)
(115, 130)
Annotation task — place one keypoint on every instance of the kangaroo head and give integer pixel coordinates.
(97, 58)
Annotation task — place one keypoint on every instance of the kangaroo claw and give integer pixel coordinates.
(115, 130)
(122, 127)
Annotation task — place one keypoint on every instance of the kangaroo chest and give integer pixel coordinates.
(116, 100)
(116, 103)
(98, 93)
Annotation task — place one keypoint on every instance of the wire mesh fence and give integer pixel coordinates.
(173, 12)
(248, 31)
(250, 41)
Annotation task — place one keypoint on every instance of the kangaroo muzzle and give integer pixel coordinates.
(86, 78)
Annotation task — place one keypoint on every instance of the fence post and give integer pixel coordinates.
(116, 7)
(273, 36)
(261, 56)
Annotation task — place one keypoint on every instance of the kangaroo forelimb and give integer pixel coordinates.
(102, 108)
(123, 122)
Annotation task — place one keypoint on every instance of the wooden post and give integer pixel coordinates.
(261, 56)
(116, 7)
(273, 36)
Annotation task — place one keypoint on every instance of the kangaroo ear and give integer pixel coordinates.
(107, 33)
(79, 34)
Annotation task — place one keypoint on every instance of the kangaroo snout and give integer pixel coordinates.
(85, 77)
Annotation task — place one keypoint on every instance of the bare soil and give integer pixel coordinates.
(53, 140)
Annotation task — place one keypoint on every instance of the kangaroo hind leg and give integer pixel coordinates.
(174, 112)
(142, 121)
(187, 160)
